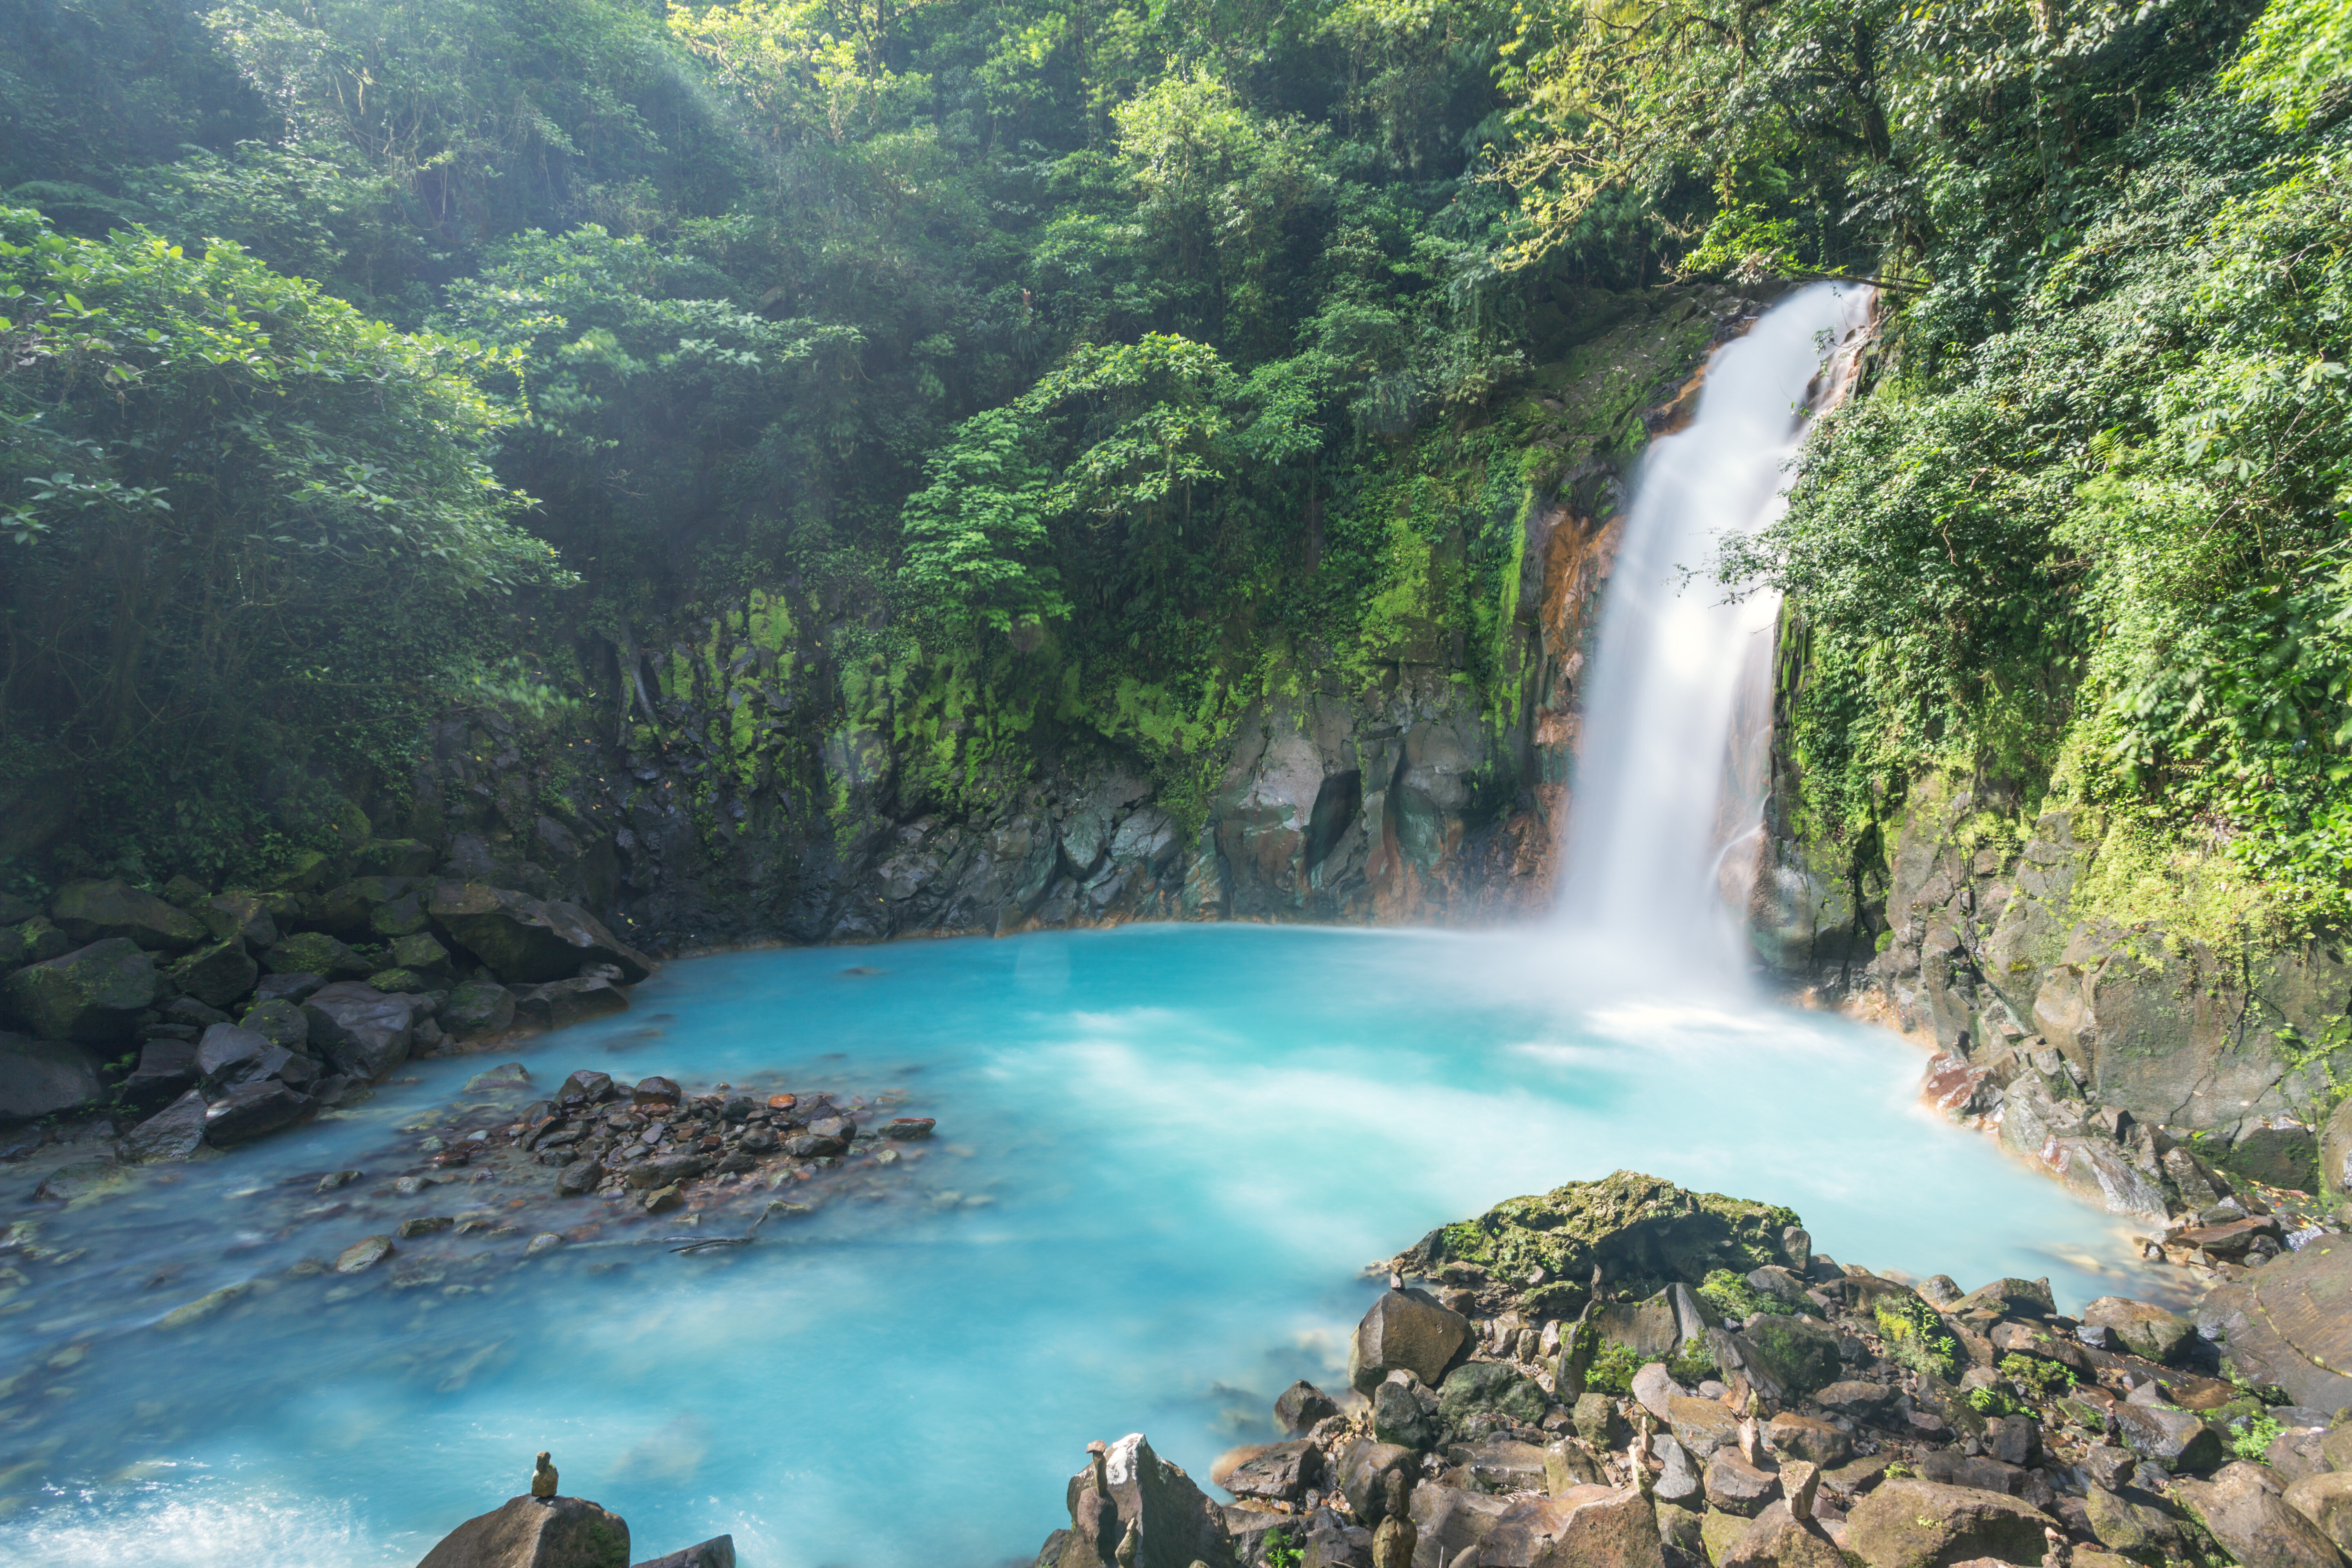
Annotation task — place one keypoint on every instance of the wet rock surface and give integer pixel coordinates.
(1640, 1419)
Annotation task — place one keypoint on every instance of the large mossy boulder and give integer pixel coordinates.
(217, 974)
(34, 940)
(93, 994)
(1644, 1233)
(316, 952)
(1790, 1356)
(41, 1078)
(92, 912)
(537, 1532)
(525, 942)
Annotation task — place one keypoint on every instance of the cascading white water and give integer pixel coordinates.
(1657, 793)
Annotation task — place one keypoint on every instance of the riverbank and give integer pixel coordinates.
(1624, 1374)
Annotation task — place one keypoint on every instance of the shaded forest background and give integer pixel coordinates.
(354, 355)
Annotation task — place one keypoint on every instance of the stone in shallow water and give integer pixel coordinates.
(251, 1110)
(363, 1254)
(1299, 1407)
(174, 1132)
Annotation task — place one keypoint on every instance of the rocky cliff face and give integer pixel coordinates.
(749, 771)
(2096, 1047)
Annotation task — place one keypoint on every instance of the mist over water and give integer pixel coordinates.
(1164, 1155)
(1658, 795)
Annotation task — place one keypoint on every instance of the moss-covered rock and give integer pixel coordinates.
(217, 974)
(524, 941)
(93, 993)
(1644, 1233)
(33, 940)
(396, 858)
(477, 1008)
(90, 911)
(316, 952)
(421, 952)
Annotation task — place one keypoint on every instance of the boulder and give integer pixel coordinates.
(1920, 1524)
(478, 1009)
(315, 952)
(1506, 1465)
(31, 941)
(1735, 1486)
(1279, 1472)
(718, 1552)
(1177, 1524)
(250, 1110)
(2325, 1499)
(42, 1077)
(92, 912)
(1680, 1481)
(2011, 1298)
(1652, 1385)
(1452, 1521)
(280, 1022)
(1597, 1421)
(244, 916)
(1795, 1437)
(2173, 1438)
(1787, 1358)
(167, 1068)
(1646, 1235)
(1856, 1401)
(2132, 1523)
(1779, 1539)
(93, 994)
(1406, 1331)
(2241, 1508)
(424, 955)
(229, 1055)
(2143, 1329)
(596, 1087)
(1364, 1467)
(1702, 1425)
(217, 974)
(174, 1132)
(525, 942)
(559, 1003)
(1594, 1527)
(358, 1030)
(535, 1533)
(2289, 1323)
(296, 987)
(1404, 1412)
(1489, 1386)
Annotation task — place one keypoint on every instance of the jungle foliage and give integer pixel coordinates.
(1145, 327)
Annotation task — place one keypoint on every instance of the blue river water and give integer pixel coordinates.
(1164, 1155)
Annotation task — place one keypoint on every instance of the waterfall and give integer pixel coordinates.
(1664, 808)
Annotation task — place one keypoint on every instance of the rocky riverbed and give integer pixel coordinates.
(1623, 1374)
(514, 1176)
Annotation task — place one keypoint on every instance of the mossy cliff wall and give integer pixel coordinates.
(762, 767)
(2019, 941)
